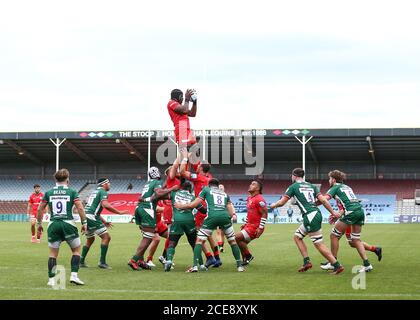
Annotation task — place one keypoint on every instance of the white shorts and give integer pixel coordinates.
(99, 232)
(246, 236)
(72, 243)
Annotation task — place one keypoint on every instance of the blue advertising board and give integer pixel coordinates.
(378, 209)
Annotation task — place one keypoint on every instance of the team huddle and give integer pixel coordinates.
(191, 202)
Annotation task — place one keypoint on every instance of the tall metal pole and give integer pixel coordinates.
(303, 142)
(148, 153)
(57, 155)
(304, 153)
(204, 145)
(57, 144)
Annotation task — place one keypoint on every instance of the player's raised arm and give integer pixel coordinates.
(105, 204)
(174, 168)
(280, 203)
(193, 111)
(184, 108)
(183, 168)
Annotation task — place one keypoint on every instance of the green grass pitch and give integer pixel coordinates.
(272, 275)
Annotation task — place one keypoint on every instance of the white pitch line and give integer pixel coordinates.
(268, 294)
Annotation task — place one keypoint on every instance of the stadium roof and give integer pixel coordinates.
(280, 144)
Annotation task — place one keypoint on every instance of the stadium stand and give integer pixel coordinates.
(394, 170)
(13, 207)
(14, 193)
(21, 189)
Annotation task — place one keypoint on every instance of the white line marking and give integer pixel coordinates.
(268, 294)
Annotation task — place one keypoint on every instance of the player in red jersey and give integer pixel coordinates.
(180, 113)
(255, 220)
(161, 230)
(172, 179)
(201, 179)
(34, 201)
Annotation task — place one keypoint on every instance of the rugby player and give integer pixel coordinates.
(352, 216)
(145, 216)
(62, 227)
(201, 179)
(305, 195)
(219, 214)
(180, 113)
(182, 223)
(34, 201)
(255, 220)
(96, 225)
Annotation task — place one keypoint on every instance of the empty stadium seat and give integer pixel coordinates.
(13, 207)
(14, 189)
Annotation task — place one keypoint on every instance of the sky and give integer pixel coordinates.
(110, 65)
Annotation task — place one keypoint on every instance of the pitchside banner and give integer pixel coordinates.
(378, 209)
(413, 218)
(121, 201)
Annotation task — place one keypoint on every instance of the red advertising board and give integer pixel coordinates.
(123, 201)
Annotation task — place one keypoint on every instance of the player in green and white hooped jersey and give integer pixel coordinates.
(62, 227)
(145, 216)
(306, 195)
(182, 223)
(352, 215)
(219, 214)
(97, 201)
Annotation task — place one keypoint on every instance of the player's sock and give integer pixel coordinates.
(216, 252)
(166, 246)
(135, 258)
(366, 263)
(52, 262)
(75, 263)
(336, 264)
(237, 254)
(200, 259)
(33, 231)
(220, 244)
(208, 254)
(104, 250)
(85, 251)
(170, 253)
(149, 258)
(371, 248)
(197, 253)
(306, 260)
(165, 249)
